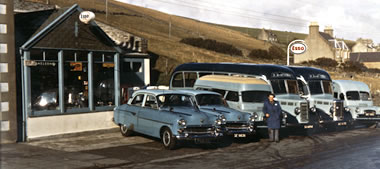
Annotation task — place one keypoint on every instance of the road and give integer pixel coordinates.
(359, 148)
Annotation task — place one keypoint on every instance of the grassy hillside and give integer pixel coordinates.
(284, 37)
(166, 49)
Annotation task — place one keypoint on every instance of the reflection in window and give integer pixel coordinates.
(76, 79)
(255, 96)
(232, 96)
(209, 99)
(327, 87)
(364, 96)
(190, 78)
(315, 87)
(103, 80)
(292, 86)
(44, 82)
(278, 86)
(178, 80)
(352, 95)
(150, 102)
(174, 100)
(303, 88)
(137, 101)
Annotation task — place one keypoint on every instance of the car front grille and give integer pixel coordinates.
(199, 130)
(338, 109)
(236, 125)
(304, 114)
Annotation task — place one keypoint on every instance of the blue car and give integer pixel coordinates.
(238, 124)
(170, 115)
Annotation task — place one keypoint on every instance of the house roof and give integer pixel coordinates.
(365, 57)
(63, 30)
(325, 36)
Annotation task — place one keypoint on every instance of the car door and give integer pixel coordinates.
(131, 111)
(148, 119)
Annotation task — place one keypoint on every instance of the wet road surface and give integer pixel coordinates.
(359, 148)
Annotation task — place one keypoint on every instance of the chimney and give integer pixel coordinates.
(313, 29)
(329, 30)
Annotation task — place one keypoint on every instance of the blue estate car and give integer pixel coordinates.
(172, 116)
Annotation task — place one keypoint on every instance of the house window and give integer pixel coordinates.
(44, 81)
(4, 106)
(75, 79)
(4, 87)
(103, 80)
(3, 28)
(3, 48)
(3, 67)
(3, 9)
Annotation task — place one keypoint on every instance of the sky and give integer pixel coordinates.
(350, 19)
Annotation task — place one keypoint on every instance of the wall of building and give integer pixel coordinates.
(317, 47)
(54, 125)
(372, 65)
(8, 102)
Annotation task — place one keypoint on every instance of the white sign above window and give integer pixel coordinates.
(86, 16)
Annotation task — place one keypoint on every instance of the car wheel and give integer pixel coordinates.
(168, 140)
(125, 131)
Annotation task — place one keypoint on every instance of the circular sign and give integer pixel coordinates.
(298, 48)
(86, 16)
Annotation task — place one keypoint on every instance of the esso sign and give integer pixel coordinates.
(86, 16)
(298, 48)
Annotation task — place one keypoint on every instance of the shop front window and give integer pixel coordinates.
(75, 79)
(103, 75)
(44, 81)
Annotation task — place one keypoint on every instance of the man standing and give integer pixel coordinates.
(272, 111)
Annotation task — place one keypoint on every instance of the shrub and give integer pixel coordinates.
(322, 62)
(353, 66)
(258, 53)
(213, 45)
(276, 53)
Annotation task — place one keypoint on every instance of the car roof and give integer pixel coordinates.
(233, 79)
(351, 85)
(311, 73)
(158, 92)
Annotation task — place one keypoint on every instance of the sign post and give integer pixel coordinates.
(296, 47)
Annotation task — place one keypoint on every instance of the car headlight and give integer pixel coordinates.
(218, 122)
(313, 109)
(297, 111)
(222, 118)
(347, 109)
(252, 118)
(182, 122)
(284, 115)
(331, 109)
(357, 110)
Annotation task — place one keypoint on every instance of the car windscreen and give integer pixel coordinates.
(209, 99)
(364, 96)
(172, 100)
(292, 86)
(278, 86)
(255, 96)
(352, 95)
(315, 87)
(327, 87)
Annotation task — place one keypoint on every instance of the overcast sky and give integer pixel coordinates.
(350, 19)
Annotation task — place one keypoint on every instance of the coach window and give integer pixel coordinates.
(178, 80)
(44, 80)
(103, 78)
(232, 96)
(190, 78)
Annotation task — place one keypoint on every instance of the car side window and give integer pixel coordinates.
(232, 96)
(151, 102)
(222, 92)
(137, 101)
